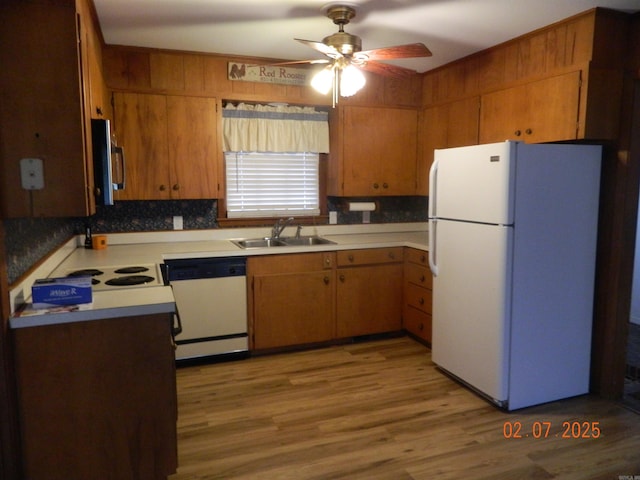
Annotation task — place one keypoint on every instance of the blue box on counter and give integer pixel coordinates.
(48, 292)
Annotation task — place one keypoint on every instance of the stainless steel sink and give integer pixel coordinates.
(259, 243)
(306, 241)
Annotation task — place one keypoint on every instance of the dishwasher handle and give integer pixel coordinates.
(176, 325)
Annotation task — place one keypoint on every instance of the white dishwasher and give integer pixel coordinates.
(211, 299)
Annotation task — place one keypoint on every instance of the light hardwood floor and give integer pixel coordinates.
(381, 410)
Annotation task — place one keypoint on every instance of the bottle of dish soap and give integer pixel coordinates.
(87, 237)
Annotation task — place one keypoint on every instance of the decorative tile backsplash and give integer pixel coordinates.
(27, 240)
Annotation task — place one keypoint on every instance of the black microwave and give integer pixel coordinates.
(108, 162)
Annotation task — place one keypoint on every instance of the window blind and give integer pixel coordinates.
(267, 184)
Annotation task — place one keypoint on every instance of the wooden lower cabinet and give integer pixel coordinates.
(97, 399)
(291, 300)
(298, 299)
(369, 290)
(416, 312)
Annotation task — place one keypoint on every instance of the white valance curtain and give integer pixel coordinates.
(274, 128)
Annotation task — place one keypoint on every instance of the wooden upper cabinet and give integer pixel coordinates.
(192, 142)
(141, 129)
(453, 124)
(373, 152)
(541, 111)
(44, 111)
(170, 144)
(97, 96)
(561, 82)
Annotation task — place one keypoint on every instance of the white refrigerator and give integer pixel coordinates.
(512, 246)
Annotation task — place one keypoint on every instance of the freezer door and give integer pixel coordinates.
(474, 183)
(472, 303)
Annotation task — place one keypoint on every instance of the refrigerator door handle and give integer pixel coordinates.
(433, 175)
(432, 246)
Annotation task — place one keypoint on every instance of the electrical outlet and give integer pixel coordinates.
(333, 218)
(177, 222)
(32, 173)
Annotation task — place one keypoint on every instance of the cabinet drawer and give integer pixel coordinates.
(290, 263)
(418, 275)
(417, 322)
(418, 297)
(414, 255)
(369, 256)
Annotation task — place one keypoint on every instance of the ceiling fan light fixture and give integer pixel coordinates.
(323, 80)
(351, 81)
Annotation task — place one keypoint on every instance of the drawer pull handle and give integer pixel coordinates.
(423, 259)
(342, 278)
(421, 301)
(422, 279)
(350, 258)
(176, 186)
(163, 188)
(392, 256)
(326, 280)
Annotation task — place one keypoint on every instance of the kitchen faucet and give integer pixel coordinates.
(280, 225)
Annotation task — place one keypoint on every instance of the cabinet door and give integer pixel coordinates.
(293, 308)
(141, 127)
(452, 124)
(379, 151)
(542, 111)
(192, 134)
(553, 106)
(110, 393)
(369, 300)
(43, 114)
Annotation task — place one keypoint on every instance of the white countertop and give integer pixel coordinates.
(155, 247)
(110, 304)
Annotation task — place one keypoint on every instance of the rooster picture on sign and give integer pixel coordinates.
(237, 71)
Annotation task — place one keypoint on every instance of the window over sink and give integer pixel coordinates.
(271, 184)
(272, 160)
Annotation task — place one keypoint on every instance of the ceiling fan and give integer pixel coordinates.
(346, 57)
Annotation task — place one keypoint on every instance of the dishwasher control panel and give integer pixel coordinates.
(196, 268)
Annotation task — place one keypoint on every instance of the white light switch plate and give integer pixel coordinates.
(32, 173)
(177, 222)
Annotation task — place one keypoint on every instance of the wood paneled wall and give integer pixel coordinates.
(189, 73)
(564, 46)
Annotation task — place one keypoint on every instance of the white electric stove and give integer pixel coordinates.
(119, 277)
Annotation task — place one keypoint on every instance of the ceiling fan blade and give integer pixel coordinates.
(299, 62)
(411, 50)
(321, 47)
(387, 70)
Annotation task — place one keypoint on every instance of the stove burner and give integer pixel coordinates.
(87, 272)
(134, 269)
(130, 280)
